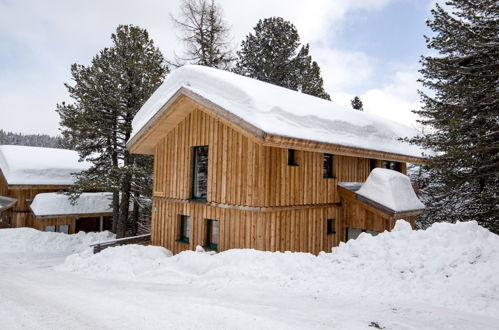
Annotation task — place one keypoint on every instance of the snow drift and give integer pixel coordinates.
(32, 241)
(447, 264)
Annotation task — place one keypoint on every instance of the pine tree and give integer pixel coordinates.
(357, 104)
(461, 113)
(273, 54)
(205, 34)
(107, 94)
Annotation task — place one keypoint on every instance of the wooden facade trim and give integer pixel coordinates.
(185, 101)
(248, 208)
(79, 215)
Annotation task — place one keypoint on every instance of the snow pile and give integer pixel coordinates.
(391, 189)
(447, 264)
(279, 111)
(60, 204)
(32, 241)
(126, 260)
(39, 166)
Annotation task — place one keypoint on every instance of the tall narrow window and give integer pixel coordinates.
(185, 229)
(212, 234)
(200, 172)
(372, 164)
(330, 227)
(328, 166)
(292, 157)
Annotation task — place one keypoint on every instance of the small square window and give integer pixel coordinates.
(328, 166)
(390, 165)
(292, 157)
(50, 228)
(212, 232)
(64, 229)
(185, 229)
(330, 227)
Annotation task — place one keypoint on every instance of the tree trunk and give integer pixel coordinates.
(116, 210)
(124, 206)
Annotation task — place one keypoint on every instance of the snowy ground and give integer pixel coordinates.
(442, 278)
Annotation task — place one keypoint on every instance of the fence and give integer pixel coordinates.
(142, 239)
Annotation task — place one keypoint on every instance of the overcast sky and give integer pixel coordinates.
(369, 48)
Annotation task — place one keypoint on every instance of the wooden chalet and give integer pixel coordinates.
(29, 172)
(239, 163)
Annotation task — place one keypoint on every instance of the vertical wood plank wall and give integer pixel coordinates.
(242, 173)
(291, 230)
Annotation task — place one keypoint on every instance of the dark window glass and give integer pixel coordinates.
(328, 166)
(200, 172)
(391, 165)
(292, 157)
(185, 228)
(372, 164)
(330, 227)
(212, 234)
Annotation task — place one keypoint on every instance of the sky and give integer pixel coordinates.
(369, 48)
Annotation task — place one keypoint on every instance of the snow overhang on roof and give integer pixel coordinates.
(22, 165)
(59, 204)
(275, 111)
(388, 191)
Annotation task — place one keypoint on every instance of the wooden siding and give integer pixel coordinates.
(243, 172)
(292, 230)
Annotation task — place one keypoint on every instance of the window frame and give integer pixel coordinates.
(330, 226)
(326, 174)
(182, 225)
(194, 176)
(387, 164)
(209, 230)
(292, 157)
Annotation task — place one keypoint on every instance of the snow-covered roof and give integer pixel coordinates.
(23, 165)
(391, 189)
(280, 111)
(50, 204)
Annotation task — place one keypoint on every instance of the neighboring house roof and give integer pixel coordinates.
(21, 165)
(388, 191)
(267, 109)
(58, 204)
(6, 203)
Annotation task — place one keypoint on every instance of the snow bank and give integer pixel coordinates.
(39, 166)
(280, 111)
(32, 241)
(447, 264)
(60, 204)
(125, 260)
(391, 189)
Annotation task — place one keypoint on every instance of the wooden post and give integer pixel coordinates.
(101, 223)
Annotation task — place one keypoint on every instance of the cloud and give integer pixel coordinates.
(41, 39)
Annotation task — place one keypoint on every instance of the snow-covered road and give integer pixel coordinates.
(225, 291)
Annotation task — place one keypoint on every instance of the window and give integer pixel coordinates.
(292, 157)
(64, 229)
(391, 165)
(50, 228)
(330, 227)
(200, 173)
(212, 234)
(372, 164)
(328, 166)
(185, 229)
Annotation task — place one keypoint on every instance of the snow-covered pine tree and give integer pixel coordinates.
(461, 114)
(272, 53)
(205, 34)
(107, 94)
(357, 104)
